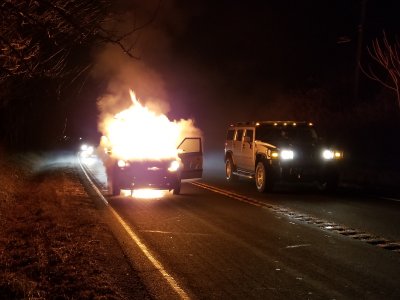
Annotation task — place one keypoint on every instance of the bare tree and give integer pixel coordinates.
(46, 46)
(39, 37)
(386, 55)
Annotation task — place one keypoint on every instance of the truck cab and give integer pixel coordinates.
(162, 174)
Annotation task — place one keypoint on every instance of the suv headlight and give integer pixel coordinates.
(331, 154)
(287, 154)
(174, 166)
(283, 154)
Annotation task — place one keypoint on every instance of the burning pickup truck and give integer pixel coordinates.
(160, 174)
(143, 151)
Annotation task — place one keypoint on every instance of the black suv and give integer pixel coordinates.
(272, 151)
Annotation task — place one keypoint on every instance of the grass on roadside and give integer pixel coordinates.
(53, 243)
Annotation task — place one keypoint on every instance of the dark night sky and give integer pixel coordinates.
(230, 58)
(225, 61)
(278, 43)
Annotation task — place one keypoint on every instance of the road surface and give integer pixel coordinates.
(226, 241)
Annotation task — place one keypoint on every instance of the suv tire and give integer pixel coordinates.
(264, 180)
(229, 169)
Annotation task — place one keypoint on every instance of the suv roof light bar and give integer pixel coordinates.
(274, 123)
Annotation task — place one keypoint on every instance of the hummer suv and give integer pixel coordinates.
(273, 151)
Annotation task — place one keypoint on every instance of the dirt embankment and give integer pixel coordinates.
(53, 242)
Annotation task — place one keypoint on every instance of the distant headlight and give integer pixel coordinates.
(174, 166)
(332, 154)
(86, 150)
(287, 154)
(89, 150)
(328, 154)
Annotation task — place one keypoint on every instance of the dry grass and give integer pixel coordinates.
(53, 243)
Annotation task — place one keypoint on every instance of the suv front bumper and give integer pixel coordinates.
(304, 172)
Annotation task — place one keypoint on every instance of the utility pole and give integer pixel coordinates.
(360, 36)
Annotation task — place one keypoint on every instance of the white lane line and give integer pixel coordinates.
(171, 281)
(175, 232)
(297, 246)
(390, 199)
(156, 263)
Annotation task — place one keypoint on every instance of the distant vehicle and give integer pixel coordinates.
(163, 174)
(86, 151)
(273, 151)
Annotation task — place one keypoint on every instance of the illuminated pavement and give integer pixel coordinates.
(217, 246)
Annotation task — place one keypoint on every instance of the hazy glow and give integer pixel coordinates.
(89, 161)
(174, 166)
(145, 193)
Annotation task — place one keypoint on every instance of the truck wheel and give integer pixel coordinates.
(177, 189)
(262, 182)
(229, 169)
(115, 187)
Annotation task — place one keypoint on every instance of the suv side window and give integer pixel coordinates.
(249, 133)
(265, 133)
(239, 135)
(230, 134)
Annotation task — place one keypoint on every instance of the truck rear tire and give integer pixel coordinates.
(114, 187)
(177, 189)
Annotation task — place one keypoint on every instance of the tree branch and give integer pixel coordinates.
(385, 55)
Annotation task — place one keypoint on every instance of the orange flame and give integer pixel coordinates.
(138, 133)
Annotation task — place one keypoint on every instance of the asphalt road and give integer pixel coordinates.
(233, 243)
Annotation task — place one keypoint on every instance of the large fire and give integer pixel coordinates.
(137, 133)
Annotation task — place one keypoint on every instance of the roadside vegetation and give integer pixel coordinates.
(53, 242)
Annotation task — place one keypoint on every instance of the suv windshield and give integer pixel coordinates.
(278, 134)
